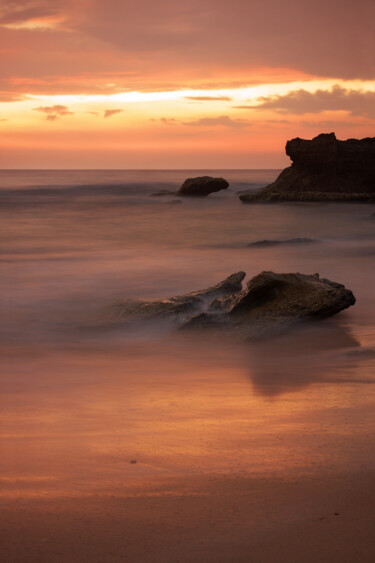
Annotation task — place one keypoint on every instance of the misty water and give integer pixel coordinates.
(81, 402)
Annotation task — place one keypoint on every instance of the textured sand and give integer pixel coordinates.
(213, 519)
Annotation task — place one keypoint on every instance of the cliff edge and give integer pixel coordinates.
(323, 169)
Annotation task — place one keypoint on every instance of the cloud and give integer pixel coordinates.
(209, 98)
(298, 102)
(223, 120)
(29, 14)
(113, 46)
(54, 112)
(331, 39)
(329, 124)
(110, 112)
(167, 120)
(9, 97)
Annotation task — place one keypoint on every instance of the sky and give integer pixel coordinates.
(146, 84)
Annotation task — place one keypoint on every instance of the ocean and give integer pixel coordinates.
(89, 412)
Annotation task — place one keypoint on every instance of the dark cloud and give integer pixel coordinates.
(298, 102)
(54, 112)
(143, 45)
(223, 120)
(110, 112)
(209, 98)
(334, 39)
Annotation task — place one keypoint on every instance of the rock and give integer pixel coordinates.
(163, 193)
(291, 296)
(267, 243)
(178, 309)
(323, 169)
(202, 186)
(272, 302)
(269, 303)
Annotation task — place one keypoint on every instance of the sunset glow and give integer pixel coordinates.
(117, 81)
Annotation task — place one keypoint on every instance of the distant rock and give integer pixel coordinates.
(323, 169)
(202, 186)
(163, 193)
(266, 243)
(270, 302)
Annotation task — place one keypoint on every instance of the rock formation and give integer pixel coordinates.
(323, 169)
(202, 186)
(269, 303)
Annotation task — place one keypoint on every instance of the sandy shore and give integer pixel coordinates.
(212, 519)
(240, 457)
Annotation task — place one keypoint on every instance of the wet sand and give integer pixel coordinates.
(186, 451)
(209, 519)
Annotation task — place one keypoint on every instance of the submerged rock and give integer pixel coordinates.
(181, 308)
(323, 169)
(162, 193)
(269, 303)
(266, 243)
(202, 186)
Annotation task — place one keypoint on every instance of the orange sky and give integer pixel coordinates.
(161, 84)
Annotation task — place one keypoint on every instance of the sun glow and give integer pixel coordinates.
(37, 24)
(219, 123)
(245, 94)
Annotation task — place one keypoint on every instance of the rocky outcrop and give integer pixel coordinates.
(202, 186)
(269, 303)
(323, 169)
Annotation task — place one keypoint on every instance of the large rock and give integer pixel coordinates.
(269, 303)
(323, 169)
(202, 186)
(272, 302)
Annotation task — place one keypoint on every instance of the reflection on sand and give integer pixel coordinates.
(181, 406)
(298, 358)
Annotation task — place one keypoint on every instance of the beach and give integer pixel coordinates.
(155, 445)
